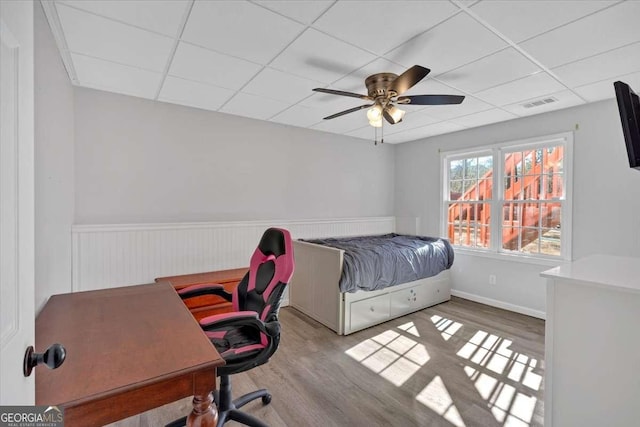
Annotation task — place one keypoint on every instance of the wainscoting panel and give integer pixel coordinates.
(106, 256)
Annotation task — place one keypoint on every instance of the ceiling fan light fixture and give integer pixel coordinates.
(385, 93)
(395, 113)
(376, 123)
(374, 114)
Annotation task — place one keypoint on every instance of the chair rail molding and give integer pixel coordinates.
(114, 255)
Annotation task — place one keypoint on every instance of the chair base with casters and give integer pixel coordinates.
(247, 336)
(228, 410)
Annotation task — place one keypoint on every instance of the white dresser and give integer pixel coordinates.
(592, 350)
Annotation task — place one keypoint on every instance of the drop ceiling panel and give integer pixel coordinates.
(604, 88)
(411, 120)
(160, 16)
(565, 99)
(240, 29)
(253, 106)
(193, 94)
(281, 86)
(103, 38)
(499, 68)
(343, 124)
(304, 11)
(423, 132)
(529, 87)
(451, 44)
(299, 115)
(327, 104)
(195, 63)
(262, 58)
(373, 30)
(520, 20)
(484, 118)
(440, 128)
(602, 31)
(316, 56)
(105, 75)
(614, 62)
(366, 132)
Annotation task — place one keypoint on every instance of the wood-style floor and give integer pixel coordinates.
(456, 364)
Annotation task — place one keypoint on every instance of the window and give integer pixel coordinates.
(511, 198)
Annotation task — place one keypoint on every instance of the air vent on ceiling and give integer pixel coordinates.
(540, 102)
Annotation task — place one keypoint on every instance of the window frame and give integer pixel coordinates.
(499, 151)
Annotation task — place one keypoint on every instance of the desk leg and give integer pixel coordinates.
(204, 414)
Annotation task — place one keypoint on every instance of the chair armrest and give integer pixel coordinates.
(204, 289)
(236, 318)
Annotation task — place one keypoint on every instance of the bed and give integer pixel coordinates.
(334, 285)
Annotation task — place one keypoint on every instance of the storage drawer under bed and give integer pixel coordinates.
(369, 312)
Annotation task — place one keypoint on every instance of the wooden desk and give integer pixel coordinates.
(207, 305)
(129, 350)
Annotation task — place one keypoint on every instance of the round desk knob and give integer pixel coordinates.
(53, 358)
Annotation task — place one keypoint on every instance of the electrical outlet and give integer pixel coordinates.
(492, 279)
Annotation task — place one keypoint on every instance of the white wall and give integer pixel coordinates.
(54, 164)
(606, 199)
(139, 161)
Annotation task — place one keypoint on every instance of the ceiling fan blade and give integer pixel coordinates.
(343, 93)
(350, 110)
(406, 80)
(430, 99)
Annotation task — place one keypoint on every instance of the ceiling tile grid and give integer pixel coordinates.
(205, 66)
(257, 107)
(110, 76)
(103, 38)
(262, 58)
(161, 16)
(240, 28)
(455, 42)
(193, 94)
(415, 17)
(298, 115)
(602, 89)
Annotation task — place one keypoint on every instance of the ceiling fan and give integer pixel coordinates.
(384, 90)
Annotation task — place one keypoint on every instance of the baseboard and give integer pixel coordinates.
(500, 304)
(285, 302)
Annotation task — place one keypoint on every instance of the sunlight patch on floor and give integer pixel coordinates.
(436, 397)
(491, 365)
(410, 328)
(490, 355)
(447, 327)
(395, 357)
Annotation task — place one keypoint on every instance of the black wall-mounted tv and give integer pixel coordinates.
(629, 107)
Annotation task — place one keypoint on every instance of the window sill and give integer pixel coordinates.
(551, 262)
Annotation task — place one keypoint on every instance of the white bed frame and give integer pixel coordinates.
(315, 291)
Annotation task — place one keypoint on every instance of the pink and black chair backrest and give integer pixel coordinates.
(270, 271)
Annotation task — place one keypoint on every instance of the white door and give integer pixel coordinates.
(16, 200)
